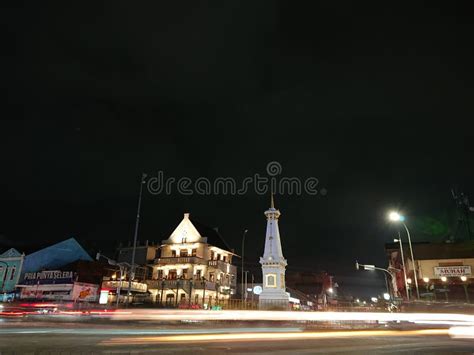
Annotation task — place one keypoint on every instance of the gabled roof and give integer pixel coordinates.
(185, 231)
(194, 231)
(213, 236)
(55, 256)
(10, 253)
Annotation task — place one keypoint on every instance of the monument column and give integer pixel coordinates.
(273, 263)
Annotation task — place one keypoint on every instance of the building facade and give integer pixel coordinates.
(145, 254)
(14, 266)
(57, 285)
(11, 263)
(273, 263)
(194, 268)
(443, 270)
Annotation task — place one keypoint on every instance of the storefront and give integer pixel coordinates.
(443, 270)
(138, 290)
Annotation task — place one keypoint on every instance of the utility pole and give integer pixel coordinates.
(242, 271)
(203, 291)
(137, 222)
(399, 240)
(246, 273)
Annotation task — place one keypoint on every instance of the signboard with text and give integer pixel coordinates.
(448, 271)
(48, 277)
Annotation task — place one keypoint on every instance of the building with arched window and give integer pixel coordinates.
(194, 267)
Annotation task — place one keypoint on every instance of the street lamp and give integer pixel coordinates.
(330, 290)
(397, 217)
(444, 278)
(123, 271)
(373, 267)
(135, 236)
(399, 240)
(426, 279)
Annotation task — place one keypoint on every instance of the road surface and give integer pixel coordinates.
(22, 337)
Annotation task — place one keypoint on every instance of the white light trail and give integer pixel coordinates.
(237, 315)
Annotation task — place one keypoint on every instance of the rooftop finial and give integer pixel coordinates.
(272, 203)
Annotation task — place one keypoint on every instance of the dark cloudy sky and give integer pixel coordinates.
(376, 101)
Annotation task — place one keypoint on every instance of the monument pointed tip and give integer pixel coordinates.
(272, 202)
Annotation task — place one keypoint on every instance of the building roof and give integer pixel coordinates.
(193, 231)
(212, 234)
(430, 251)
(55, 256)
(10, 253)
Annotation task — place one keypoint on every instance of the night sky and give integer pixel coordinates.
(376, 102)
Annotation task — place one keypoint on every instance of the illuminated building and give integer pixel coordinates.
(194, 268)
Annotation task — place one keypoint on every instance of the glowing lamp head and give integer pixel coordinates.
(463, 278)
(395, 217)
(408, 281)
(426, 279)
(330, 290)
(386, 296)
(444, 278)
(374, 299)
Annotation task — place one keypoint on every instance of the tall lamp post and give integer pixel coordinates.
(242, 274)
(399, 240)
(397, 217)
(137, 222)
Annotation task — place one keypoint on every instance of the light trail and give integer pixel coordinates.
(125, 331)
(461, 332)
(229, 315)
(270, 336)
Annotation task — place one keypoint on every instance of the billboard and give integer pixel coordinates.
(85, 292)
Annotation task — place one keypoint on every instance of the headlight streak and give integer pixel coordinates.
(195, 315)
(268, 336)
(461, 332)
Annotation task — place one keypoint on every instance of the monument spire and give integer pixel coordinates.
(273, 264)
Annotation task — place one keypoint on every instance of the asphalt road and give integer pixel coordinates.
(136, 338)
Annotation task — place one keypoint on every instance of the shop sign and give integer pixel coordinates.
(452, 270)
(48, 277)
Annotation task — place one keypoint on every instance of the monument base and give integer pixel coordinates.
(274, 302)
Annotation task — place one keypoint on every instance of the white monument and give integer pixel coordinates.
(274, 294)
